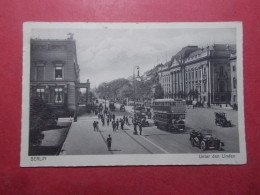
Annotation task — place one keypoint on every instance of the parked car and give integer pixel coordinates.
(205, 140)
(221, 120)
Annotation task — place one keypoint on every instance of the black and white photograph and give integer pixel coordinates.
(117, 94)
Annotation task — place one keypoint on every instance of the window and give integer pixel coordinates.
(40, 92)
(234, 68)
(58, 95)
(221, 71)
(204, 70)
(58, 73)
(39, 73)
(196, 74)
(234, 82)
(222, 86)
(205, 86)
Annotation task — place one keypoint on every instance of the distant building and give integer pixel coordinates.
(201, 74)
(233, 68)
(55, 71)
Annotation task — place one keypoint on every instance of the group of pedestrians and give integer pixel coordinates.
(140, 128)
(108, 118)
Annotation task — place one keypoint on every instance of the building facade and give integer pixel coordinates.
(201, 74)
(233, 68)
(54, 71)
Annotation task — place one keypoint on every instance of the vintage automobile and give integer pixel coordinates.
(139, 121)
(112, 106)
(122, 108)
(221, 120)
(205, 140)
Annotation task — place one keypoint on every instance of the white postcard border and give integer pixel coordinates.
(133, 159)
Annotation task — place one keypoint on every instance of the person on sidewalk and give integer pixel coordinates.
(117, 124)
(113, 125)
(114, 116)
(122, 124)
(140, 129)
(107, 121)
(103, 121)
(94, 125)
(126, 120)
(109, 142)
(97, 127)
(135, 128)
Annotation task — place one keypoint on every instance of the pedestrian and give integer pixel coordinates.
(110, 117)
(117, 124)
(114, 125)
(126, 120)
(109, 142)
(135, 130)
(107, 121)
(140, 129)
(97, 127)
(114, 116)
(149, 115)
(122, 124)
(103, 121)
(94, 125)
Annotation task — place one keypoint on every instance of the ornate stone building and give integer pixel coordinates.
(201, 74)
(54, 71)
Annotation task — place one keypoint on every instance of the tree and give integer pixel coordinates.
(158, 93)
(113, 88)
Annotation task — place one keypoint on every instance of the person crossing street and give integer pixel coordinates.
(109, 142)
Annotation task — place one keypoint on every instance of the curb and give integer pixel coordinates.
(64, 143)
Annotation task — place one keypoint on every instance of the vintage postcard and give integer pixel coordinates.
(117, 94)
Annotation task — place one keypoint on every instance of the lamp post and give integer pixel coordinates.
(134, 78)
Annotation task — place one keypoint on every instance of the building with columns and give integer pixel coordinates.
(54, 71)
(201, 74)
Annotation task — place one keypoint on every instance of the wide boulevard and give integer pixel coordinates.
(82, 139)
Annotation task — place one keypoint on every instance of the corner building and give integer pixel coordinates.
(54, 71)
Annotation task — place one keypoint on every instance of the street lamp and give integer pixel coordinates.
(135, 78)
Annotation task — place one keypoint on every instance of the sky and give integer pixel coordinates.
(107, 54)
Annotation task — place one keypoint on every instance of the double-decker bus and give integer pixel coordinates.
(170, 114)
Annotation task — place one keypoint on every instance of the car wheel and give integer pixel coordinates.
(192, 142)
(203, 145)
(220, 147)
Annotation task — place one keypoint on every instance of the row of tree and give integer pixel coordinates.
(124, 88)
